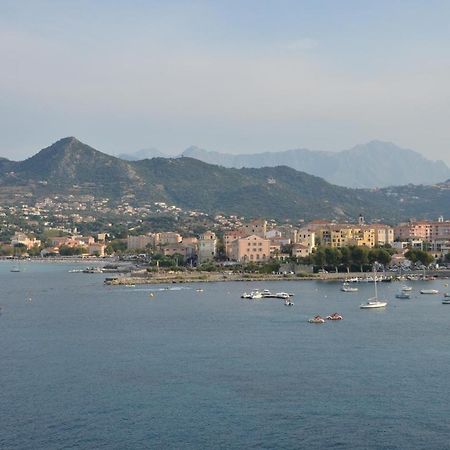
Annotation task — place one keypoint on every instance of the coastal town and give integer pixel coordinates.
(167, 237)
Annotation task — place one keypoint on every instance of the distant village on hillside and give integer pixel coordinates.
(171, 237)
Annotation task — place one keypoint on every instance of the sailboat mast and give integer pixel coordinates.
(375, 282)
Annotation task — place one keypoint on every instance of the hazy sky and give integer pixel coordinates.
(233, 76)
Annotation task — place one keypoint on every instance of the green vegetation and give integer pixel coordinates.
(353, 258)
(419, 256)
(71, 167)
(66, 250)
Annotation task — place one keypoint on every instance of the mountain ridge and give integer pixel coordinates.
(385, 164)
(70, 167)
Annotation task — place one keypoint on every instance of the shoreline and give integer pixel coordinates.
(208, 277)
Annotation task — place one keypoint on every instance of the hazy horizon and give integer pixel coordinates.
(229, 77)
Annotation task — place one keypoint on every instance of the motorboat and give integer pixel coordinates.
(347, 288)
(374, 302)
(403, 294)
(334, 316)
(447, 295)
(282, 295)
(429, 291)
(446, 301)
(246, 295)
(316, 319)
(406, 288)
(256, 295)
(288, 303)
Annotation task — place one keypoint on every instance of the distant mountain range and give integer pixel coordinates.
(145, 153)
(371, 165)
(71, 167)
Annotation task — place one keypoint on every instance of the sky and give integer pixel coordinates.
(237, 76)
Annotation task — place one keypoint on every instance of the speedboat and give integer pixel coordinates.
(246, 295)
(288, 303)
(373, 304)
(402, 294)
(446, 301)
(347, 288)
(256, 294)
(334, 316)
(316, 319)
(282, 295)
(429, 291)
(447, 295)
(406, 288)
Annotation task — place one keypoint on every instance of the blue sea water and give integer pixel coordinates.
(83, 365)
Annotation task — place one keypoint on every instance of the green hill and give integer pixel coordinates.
(71, 167)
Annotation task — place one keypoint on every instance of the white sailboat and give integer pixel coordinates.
(374, 302)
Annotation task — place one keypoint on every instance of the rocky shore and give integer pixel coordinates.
(197, 277)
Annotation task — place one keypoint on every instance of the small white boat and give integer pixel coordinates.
(347, 288)
(406, 288)
(282, 295)
(374, 302)
(288, 303)
(402, 294)
(256, 294)
(446, 301)
(447, 295)
(316, 319)
(429, 291)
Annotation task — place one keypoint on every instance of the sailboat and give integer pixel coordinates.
(374, 302)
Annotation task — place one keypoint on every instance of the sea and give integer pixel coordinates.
(89, 366)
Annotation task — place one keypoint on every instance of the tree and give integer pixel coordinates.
(20, 249)
(360, 256)
(346, 257)
(332, 257)
(319, 257)
(379, 255)
(415, 255)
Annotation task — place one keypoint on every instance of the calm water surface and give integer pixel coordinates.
(83, 365)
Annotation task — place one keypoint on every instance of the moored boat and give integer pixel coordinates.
(429, 291)
(288, 303)
(347, 288)
(402, 294)
(374, 302)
